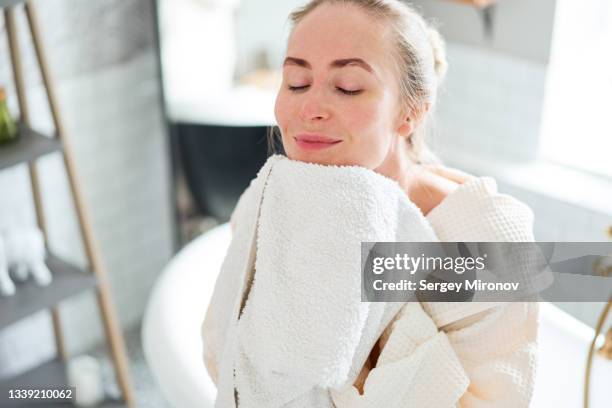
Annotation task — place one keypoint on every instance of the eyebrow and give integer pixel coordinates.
(339, 63)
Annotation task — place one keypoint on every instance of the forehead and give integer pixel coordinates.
(333, 31)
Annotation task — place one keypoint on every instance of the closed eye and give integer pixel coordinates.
(347, 92)
(344, 91)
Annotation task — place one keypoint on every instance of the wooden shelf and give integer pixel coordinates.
(67, 280)
(30, 146)
(8, 3)
(31, 298)
(47, 375)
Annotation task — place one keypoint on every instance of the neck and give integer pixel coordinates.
(399, 167)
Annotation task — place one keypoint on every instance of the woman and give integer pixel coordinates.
(359, 82)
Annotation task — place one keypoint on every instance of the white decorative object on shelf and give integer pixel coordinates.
(7, 287)
(22, 251)
(84, 374)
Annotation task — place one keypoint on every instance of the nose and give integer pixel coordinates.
(314, 107)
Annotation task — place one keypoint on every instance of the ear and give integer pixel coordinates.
(410, 119)
(406, 127)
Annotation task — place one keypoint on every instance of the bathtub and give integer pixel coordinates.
(173, 349)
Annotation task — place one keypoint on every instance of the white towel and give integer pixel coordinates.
(304, 325)
(304, 331)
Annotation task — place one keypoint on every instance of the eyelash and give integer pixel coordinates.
(344, 91)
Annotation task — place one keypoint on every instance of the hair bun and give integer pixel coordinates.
(439, 52)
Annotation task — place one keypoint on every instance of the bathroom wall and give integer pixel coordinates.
(103, 59)
(261, 28)
(522, 28)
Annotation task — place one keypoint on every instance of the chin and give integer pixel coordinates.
(329, 157)
(310, 157)
(294, 152)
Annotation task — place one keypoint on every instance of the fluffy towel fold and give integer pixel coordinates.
(304, 334)
(304, 326)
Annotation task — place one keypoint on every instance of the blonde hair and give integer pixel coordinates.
(420, 60)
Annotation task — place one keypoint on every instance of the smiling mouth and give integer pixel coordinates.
(315, 142)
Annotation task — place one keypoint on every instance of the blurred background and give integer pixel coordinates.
(167, 105)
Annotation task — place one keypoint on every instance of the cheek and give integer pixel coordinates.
(286, 115)
(281, 110)
(362, 116)
(365, 114)
(368, 122)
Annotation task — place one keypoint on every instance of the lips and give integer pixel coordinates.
(313, 138)
(315, 141)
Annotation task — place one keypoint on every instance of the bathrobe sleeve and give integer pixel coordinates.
(484, 360)
(210, 328)
(417, 367)
(498, 351)
(495, 342)
(475, 355)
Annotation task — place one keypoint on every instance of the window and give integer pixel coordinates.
(577, 113)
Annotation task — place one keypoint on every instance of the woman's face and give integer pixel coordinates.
(338, 103)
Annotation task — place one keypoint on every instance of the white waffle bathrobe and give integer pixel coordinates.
(298, 335)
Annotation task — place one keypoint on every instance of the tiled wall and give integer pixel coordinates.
(103, 59)
(489, 110)
(490, 103)
(521, 28)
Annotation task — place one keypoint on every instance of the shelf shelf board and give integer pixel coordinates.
(30, 146)
(30, 298)
(9, 3)
(47, 375)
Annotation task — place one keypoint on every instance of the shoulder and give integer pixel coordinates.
(477, 211)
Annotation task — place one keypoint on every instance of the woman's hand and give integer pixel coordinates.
(432, 183)
(449, 173)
